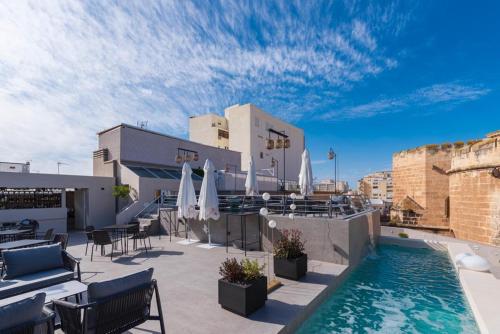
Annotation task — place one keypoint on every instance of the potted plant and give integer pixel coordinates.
(243, 287)
(290, 261)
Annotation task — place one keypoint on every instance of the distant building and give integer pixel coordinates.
(328, 185)
(454, 187)
(377, 185)
(15, 167)
(247, 129)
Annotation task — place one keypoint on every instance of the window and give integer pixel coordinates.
(447, 207)
(261, 155)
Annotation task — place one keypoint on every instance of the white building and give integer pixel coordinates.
(329, 185)
(14, 167)
(377, 185)
(248, 129)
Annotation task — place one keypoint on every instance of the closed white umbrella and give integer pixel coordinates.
(305, 176)
(251, 185)
(208, 200)
(186, 199)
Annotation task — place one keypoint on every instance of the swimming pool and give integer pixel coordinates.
(398, 290)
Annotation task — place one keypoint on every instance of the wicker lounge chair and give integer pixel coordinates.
(114, 306)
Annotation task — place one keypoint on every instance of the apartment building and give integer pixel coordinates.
(275, 145)
(329, 185)
(377, 185)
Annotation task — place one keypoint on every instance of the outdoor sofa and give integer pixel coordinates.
(27, 316)
(29, 269)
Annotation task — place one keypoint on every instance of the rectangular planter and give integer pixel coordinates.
(290, 268)
(243, 299)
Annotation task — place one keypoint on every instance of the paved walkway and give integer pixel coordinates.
(187, 279)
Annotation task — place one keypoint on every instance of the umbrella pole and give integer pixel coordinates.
(209, 234)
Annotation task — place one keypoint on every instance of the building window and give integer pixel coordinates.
(447, 207)
(261, 155)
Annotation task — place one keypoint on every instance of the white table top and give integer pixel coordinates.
(53, 292)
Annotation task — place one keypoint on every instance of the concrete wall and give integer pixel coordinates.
(343, 241)
(48, 218)
(101, 204)
(201, 130)
(475, 192)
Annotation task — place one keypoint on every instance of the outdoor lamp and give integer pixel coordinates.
(273, 162)
(270, 144)
(291, 216)
(279, 143)
(272, 223)
(293, 195)
(195, 157)
(331, 154)
(187, 157)
(266, 196)
(286, 143)
(264, 212)
(293, 206)
(178, 159)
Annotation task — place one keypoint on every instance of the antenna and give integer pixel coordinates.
(142, 124)
(59, 164)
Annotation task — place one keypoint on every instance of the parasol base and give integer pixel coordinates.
(209, 246)
(188, 242)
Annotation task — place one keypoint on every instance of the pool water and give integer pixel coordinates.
(397, 290)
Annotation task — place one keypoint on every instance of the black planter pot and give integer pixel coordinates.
(243, 299)
(290, 268)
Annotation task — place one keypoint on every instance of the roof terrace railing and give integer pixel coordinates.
(341, 206)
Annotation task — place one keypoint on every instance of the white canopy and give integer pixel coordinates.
(208, 200)
(186, 199)
(251, 185)
(305, 176)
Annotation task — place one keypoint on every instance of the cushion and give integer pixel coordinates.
(25, 261)
(34, 281)
(22, 312)
(100, 290)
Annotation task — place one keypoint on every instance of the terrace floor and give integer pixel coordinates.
(187, 280)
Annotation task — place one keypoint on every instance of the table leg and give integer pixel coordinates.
(227, 233)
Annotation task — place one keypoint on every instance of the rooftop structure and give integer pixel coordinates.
(246, 129)
(14, 167)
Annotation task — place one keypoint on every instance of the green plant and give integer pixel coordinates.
(289, 246)
(446, 145)
(233, 271)
(459, 144)
(251, 269)
(121, 191)
(403, 235)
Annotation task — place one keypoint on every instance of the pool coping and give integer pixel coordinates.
(480, 288)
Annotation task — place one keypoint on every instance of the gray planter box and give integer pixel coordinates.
(243, 299)
(290, 268)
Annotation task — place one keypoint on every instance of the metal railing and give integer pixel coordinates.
(329, 206)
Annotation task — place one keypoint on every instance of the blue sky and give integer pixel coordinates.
(367, 78)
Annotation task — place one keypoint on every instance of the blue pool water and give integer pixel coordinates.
(398, 290)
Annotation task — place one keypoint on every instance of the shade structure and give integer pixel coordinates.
(305, 175)
(186, 198)
(208, 200)
(251, 185)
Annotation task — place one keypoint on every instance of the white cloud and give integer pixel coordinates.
(69, 69)
(452, 93)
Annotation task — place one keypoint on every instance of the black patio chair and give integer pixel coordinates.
(101, 238)
(88, 233)
(142, 235)
(62, 238)
(48, 235)
(27, 316)
(114, 306)
(30, 226)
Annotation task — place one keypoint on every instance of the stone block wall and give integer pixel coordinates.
(475, 191)
(419, 176)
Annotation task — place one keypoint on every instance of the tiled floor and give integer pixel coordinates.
(187, 278)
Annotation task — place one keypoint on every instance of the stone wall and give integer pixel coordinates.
(421, 186)
(475, 192)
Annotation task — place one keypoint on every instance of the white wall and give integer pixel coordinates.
(101, 203)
